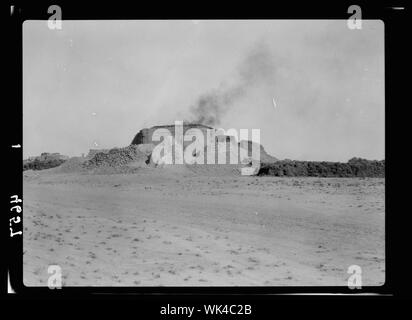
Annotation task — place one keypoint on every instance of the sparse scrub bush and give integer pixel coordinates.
(38, 164)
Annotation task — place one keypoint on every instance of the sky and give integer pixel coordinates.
(95, 84)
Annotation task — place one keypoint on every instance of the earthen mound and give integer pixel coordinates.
(118, 157)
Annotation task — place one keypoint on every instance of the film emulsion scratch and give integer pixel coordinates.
(203, 153)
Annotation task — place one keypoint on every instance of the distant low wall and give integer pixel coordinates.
(355, 167)
(93, 152)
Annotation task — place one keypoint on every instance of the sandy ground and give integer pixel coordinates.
(178, 227)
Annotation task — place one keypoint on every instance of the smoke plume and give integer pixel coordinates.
(256, 69)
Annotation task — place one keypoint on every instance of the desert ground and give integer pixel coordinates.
(198, 227)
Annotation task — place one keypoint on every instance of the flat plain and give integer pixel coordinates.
(194, 226)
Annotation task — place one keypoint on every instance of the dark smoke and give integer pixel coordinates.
(256, 70)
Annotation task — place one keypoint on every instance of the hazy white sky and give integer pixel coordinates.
(102, 81)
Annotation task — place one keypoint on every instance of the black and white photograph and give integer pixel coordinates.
(203, 153)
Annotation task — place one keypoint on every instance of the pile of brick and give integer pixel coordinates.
(355, 167)
(116, 157)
